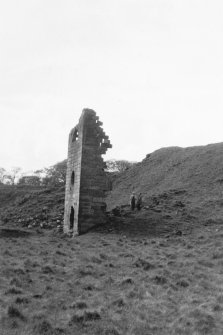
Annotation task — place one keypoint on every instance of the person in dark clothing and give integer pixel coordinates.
(132, 201)
(139, 202)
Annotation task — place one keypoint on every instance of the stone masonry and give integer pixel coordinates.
(86, 180)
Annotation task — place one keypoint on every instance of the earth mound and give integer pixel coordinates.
(29, 206)
(176, 179)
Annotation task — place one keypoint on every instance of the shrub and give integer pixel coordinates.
(87, 315)
(21, 300)
(15, 282)
(13, 290)
(13, 312)
(47, 269)
(43, 327)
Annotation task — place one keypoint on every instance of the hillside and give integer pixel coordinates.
(176, 177)
(31, 206)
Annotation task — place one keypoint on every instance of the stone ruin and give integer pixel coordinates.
(86, 181)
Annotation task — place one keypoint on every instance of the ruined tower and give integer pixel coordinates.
(86, 180)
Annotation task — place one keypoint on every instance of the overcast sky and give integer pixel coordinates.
(151, 69)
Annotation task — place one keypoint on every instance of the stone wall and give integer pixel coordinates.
(86, 180)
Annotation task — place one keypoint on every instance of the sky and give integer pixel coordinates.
(151, 69)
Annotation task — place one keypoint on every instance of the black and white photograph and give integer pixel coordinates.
(111, 167)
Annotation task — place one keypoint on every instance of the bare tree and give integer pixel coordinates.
(2, 174)
(29, 181)
(54, 175)
(12, 176)
(114, 165)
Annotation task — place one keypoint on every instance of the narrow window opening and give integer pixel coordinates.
(102, 141)
(71, 218)
(75, 136)
(72, 178)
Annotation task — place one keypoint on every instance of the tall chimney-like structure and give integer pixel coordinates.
(86, 180)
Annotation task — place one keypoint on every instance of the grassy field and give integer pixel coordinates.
(120, 279)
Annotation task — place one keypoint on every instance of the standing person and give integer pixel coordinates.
(132, 201)
(139, 202)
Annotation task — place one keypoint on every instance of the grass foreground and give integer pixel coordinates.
(111, 283)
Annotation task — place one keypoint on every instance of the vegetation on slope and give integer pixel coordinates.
(193, 176)
(31, 206)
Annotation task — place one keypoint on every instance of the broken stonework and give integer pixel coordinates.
(86, 180)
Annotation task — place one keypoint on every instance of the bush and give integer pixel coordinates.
(13, 312)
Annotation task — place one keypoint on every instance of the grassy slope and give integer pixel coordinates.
(196, 171)
(31, 205)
